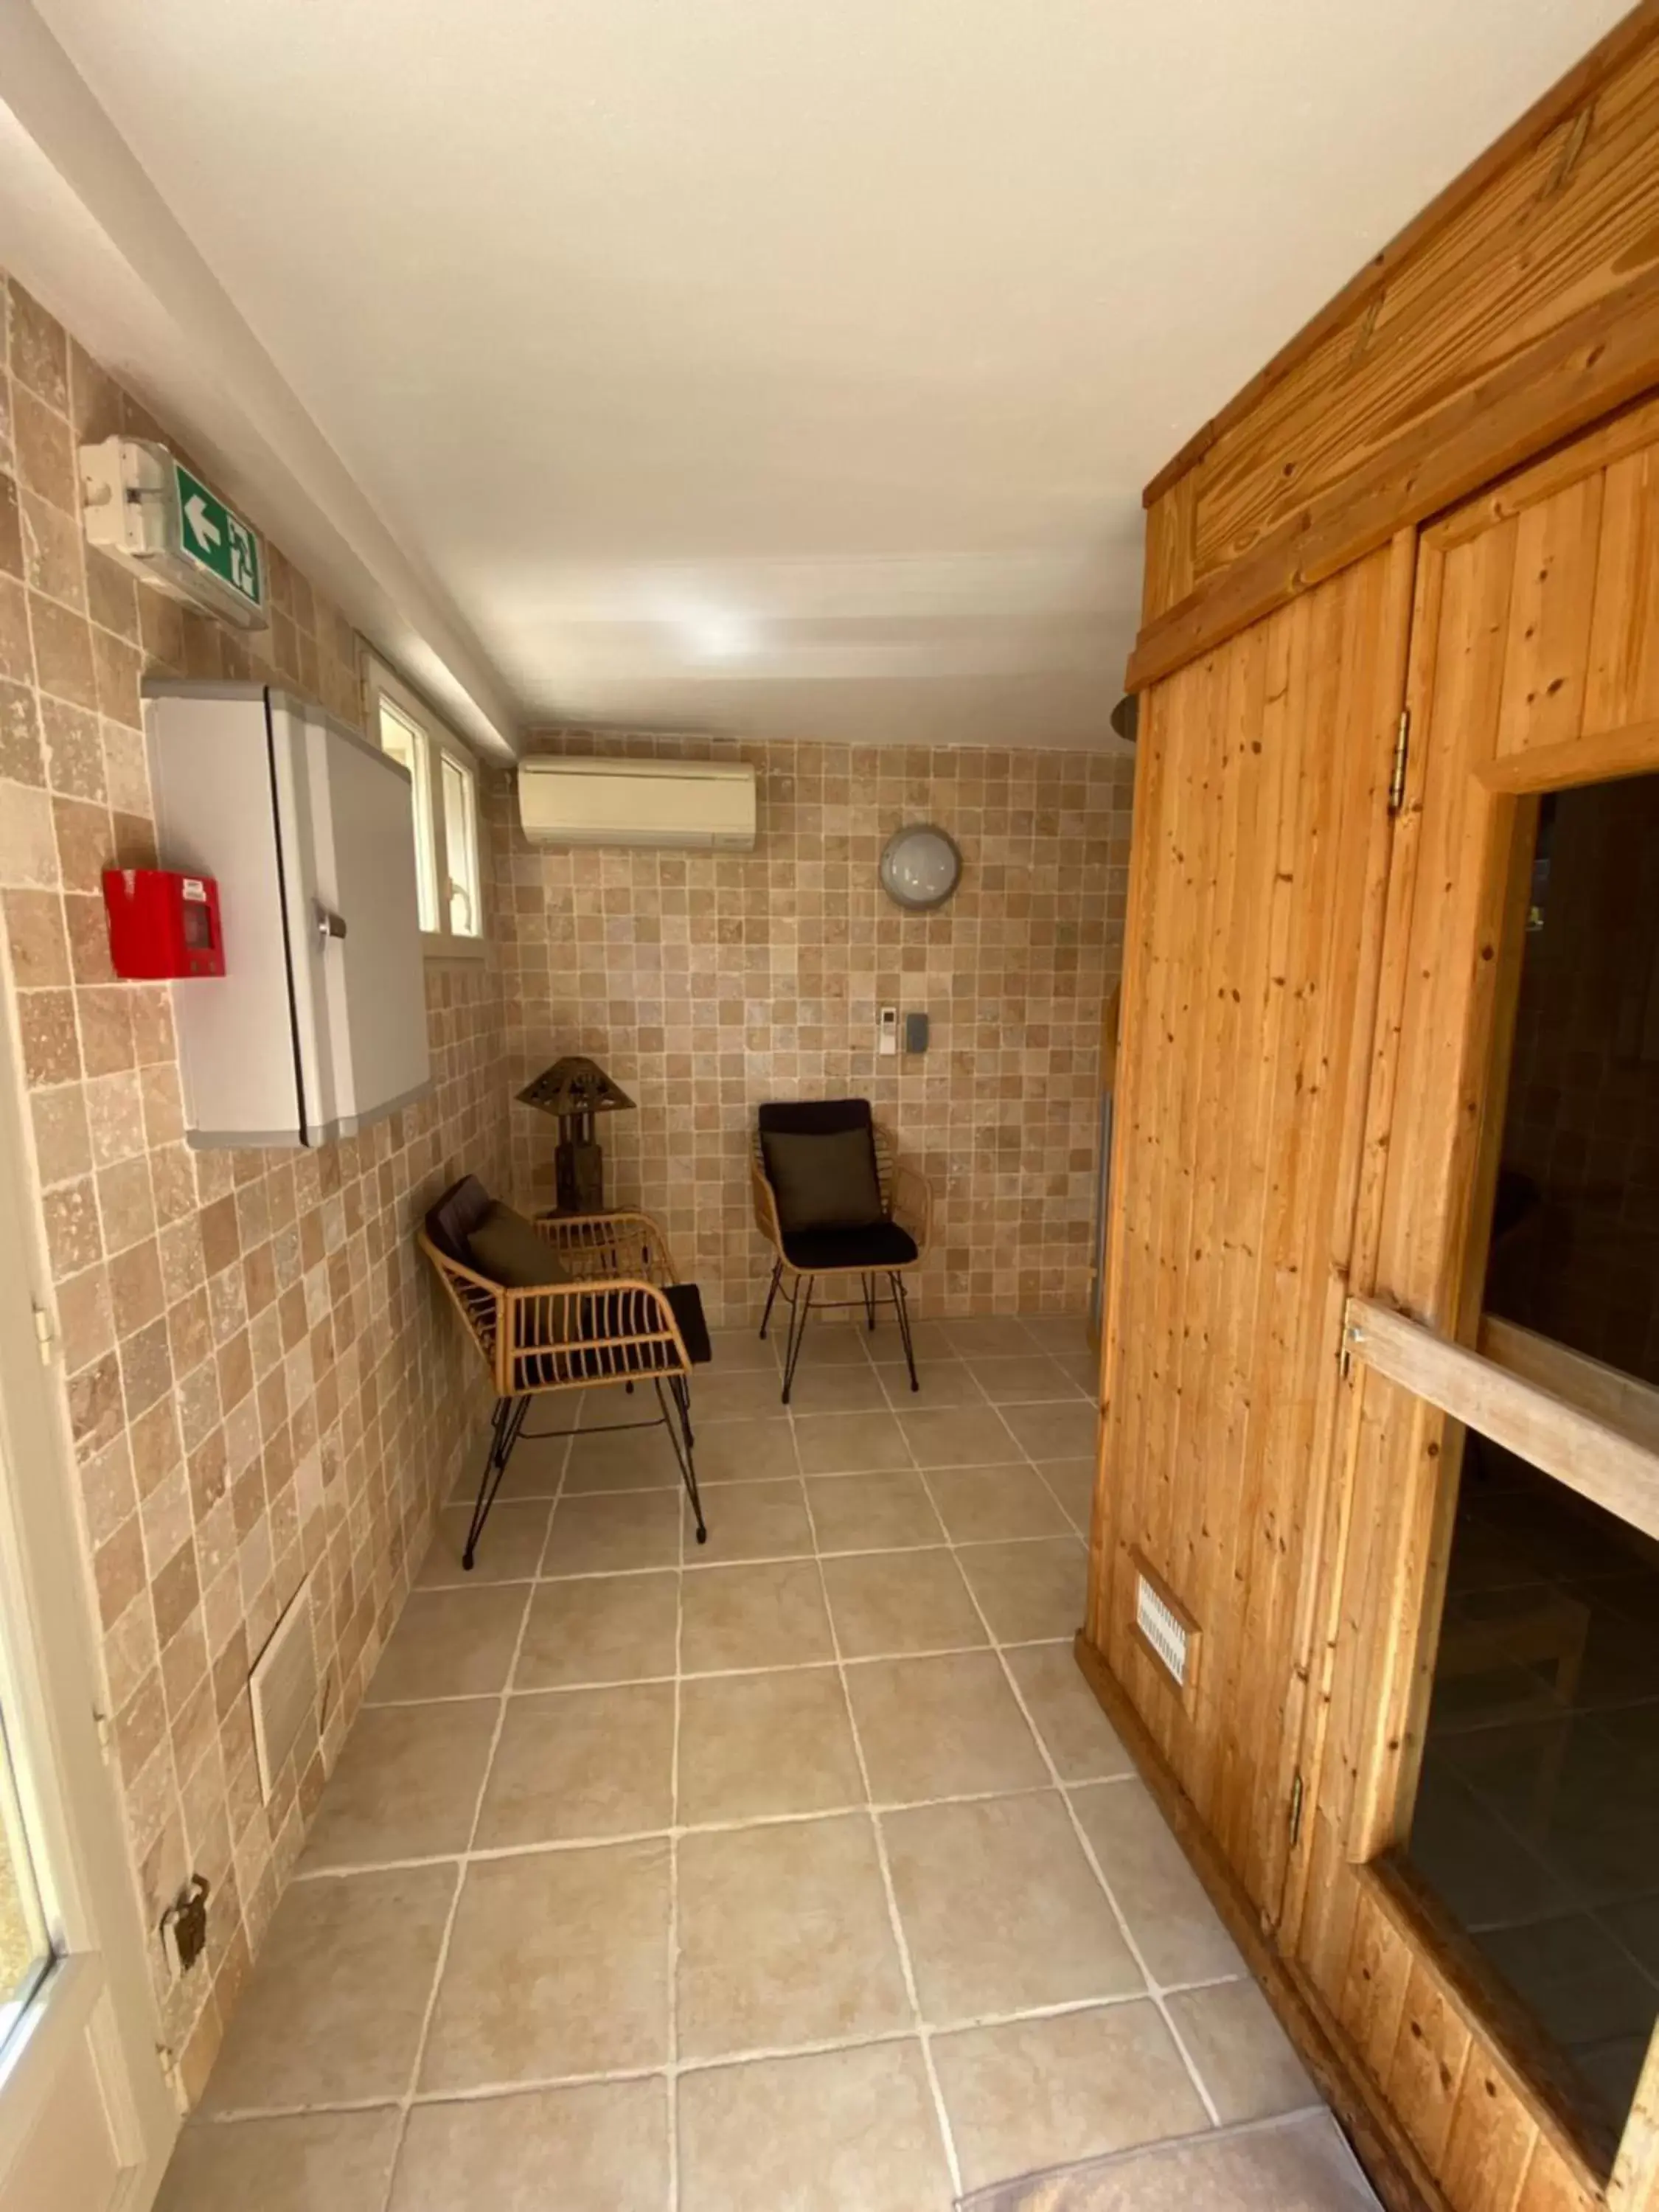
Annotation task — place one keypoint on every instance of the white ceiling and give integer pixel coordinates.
(794, 366)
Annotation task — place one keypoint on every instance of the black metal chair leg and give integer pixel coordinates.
(505, 1424)
(683, 1450)
(869, 1283)
(777, 1277)
(800, 1307)
(682, 1390)
(902, 1309)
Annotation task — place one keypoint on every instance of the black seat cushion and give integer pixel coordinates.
(823, 1181)
(686, 1299)
(511, 1250)
(450, 1222)
(607, 1313)
(877, 1245)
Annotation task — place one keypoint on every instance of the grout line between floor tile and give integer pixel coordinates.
(947, 2133)
(547, 1845)
(487, 2092)
(1154, 1988)
(464, 1582)
(531, 2085)
(723, 1674)
(406, 2102)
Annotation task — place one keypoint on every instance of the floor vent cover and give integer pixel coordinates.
(1161, 1630)
(284, 1689)
(1166, 1629)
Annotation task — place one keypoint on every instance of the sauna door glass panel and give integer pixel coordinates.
(1536, 1822)
(1575, 1249)
(1537, 1817)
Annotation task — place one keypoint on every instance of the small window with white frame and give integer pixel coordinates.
(448, 868)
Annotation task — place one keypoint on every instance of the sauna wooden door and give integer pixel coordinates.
(1262, 844)
(1535, 667)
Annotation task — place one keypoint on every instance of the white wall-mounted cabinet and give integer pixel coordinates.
(318, 1025)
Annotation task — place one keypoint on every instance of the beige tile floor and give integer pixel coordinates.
(799, 1873)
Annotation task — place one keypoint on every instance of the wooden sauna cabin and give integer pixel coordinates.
(1399, 663)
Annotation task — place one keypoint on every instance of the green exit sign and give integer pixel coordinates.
(216, 538)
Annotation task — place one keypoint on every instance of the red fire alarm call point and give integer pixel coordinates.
(163, 924)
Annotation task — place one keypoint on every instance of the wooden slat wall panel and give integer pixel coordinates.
(1512, 315)
(1622, 681)
(1566, 226)
(1372, 1999)
(1552, 2184)
(1567, 221)
(1261, 848)
(1315, 1004)
(1490, 2143)
(1597, 360)
(1439, 1089)
(1170, 550)
(1546, 663)
(1431, 2052)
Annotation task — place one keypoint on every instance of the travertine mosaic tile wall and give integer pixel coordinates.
(707, 983)
(260, 1383)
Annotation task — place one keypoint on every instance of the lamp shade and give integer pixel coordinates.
(575, 1086)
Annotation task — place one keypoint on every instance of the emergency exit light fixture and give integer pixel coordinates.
(153, 515)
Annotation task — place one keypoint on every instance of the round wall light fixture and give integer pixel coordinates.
(920, 866)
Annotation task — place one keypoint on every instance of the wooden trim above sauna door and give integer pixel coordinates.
(1262, 838)
(1520, 306)
(1598, 359)
(1563, 114)
(1535, 641)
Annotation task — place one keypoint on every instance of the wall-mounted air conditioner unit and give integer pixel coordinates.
(700, 805)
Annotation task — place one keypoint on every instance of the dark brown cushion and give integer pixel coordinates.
(452, 1221)
(826, 1182)
(512, 1252)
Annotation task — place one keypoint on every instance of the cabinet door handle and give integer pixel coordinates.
(329, 924)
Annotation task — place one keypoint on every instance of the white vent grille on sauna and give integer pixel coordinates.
(1169, 1637)
(283, 1688)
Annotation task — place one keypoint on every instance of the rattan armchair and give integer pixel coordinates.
(804, 1256)
(619, 1316)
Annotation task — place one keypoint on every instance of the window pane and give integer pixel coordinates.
(408, 746)
(25, 1953)
(461, 849)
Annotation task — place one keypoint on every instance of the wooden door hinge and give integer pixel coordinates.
(1296, 1794)
(45, 1336)
(1401, 746)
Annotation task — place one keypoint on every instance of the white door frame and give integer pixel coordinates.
(98, 1997)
